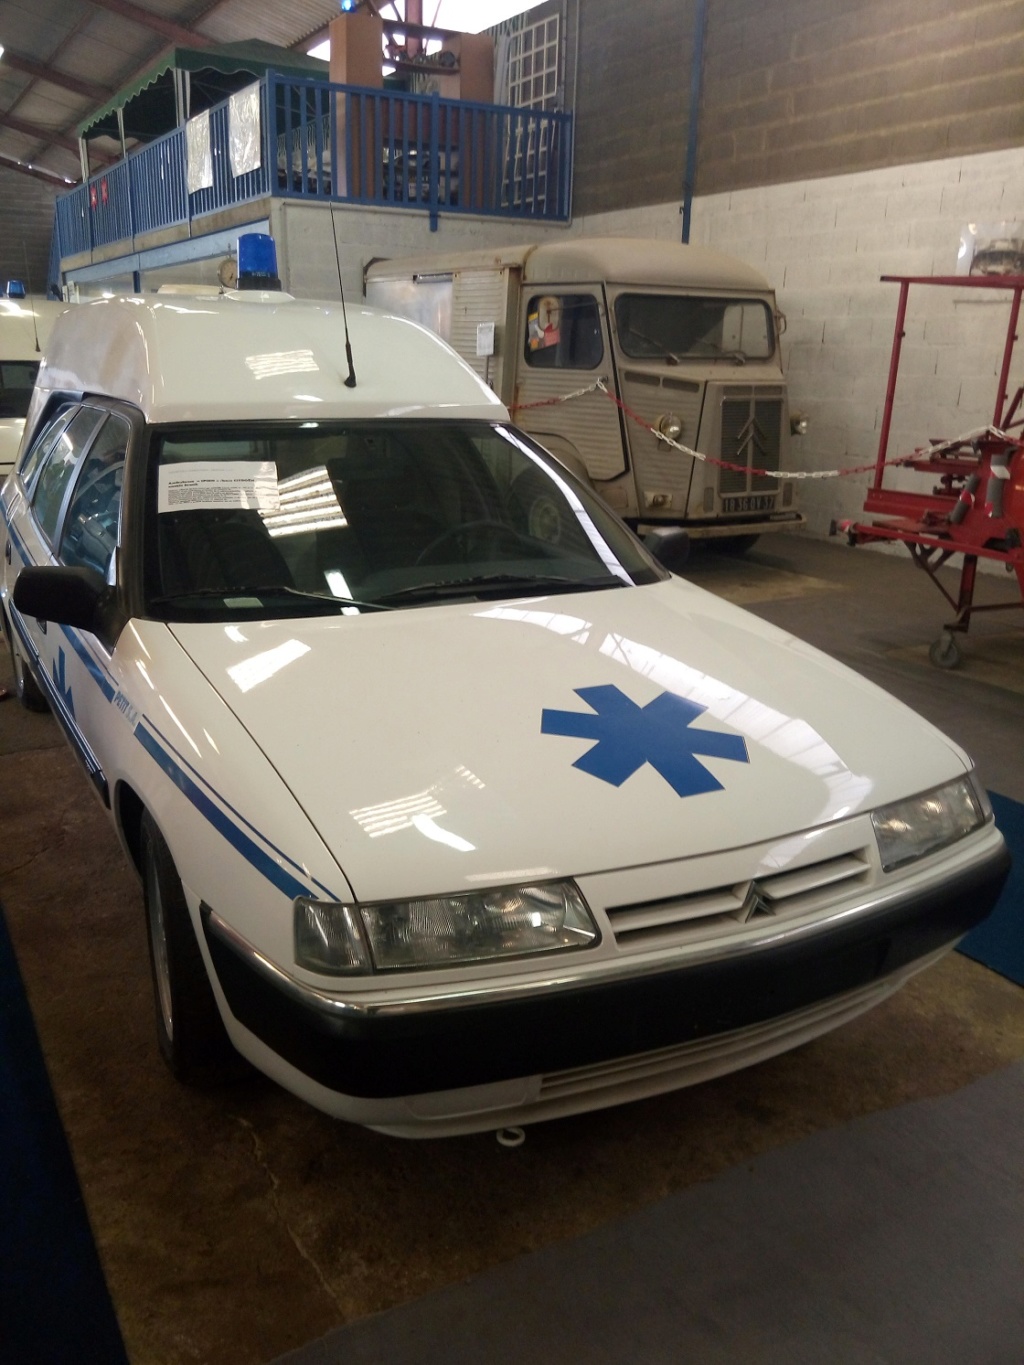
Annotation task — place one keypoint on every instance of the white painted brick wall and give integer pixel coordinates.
(824, 244)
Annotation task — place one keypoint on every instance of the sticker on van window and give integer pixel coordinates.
(544, 323)
(219, 485)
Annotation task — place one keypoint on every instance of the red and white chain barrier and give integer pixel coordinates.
(939, 448)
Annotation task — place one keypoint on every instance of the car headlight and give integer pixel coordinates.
(441, 931)
(910, 829)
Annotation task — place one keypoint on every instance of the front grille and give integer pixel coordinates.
(751, 437)
(660, 381)
(675, 920)
(701, 1059)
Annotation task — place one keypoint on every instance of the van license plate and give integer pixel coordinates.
(753, 502)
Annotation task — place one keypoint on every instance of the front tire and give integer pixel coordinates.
(190, 1032)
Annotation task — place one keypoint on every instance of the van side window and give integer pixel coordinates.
(563, 332)
(43, 444)
(58, 466)
(91, 526)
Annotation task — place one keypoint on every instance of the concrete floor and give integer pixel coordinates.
(235, 1226)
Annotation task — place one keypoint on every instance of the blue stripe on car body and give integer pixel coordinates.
(197, 779)
(261, 860)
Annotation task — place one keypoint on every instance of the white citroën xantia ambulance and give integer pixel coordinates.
(444, 821)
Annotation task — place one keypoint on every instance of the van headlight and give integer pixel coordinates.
(441, 931)
(923, 824)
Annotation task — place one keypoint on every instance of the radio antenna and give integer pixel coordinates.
(28, 282)
(350, 382)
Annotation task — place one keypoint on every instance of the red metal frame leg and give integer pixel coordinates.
(968, 574)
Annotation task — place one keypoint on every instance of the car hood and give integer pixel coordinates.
(446, 748)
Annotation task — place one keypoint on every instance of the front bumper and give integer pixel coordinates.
(383, 1050)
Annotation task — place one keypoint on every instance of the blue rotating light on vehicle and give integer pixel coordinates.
(257, 262)
(348, 5)
(15, 289)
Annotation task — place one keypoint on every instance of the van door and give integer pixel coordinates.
(564, 346)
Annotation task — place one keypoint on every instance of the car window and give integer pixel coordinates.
(43, 444)
(383, 513)
(17, 380)
(58, 466)
(563, 332)
(90, 532)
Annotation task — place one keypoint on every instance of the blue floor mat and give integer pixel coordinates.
(998, 943)
(55, 1308)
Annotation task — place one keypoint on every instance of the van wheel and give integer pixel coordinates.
(26, 689)
(538, 512)
(192, 1038)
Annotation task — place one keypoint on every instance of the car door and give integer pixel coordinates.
(89, 535)
(37, 519)
(34, 515)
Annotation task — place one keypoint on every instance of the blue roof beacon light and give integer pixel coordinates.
(15, 289)
(257, 262)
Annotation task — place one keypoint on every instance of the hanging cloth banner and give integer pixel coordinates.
(199, 156)
(244, 140)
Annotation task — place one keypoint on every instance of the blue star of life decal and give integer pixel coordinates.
(628, 736)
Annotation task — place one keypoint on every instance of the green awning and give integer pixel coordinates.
(216, 73)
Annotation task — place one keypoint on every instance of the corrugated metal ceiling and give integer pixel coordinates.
(63, 59)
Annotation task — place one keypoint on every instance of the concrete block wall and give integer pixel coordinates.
(28, 225)
(791, 90)
(308, 235)
(824, 245)
(803, 88)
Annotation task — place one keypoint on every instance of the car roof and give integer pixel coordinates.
(255, 355)
(25, 326)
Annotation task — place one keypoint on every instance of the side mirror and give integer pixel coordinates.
(68, 597)
(670, 546)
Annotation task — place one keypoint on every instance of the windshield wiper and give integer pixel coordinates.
(227, 595)
(497, 582)
(657, 342)
(737, 357)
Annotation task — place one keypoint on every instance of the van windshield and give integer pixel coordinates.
(677, 327)
(246, 522)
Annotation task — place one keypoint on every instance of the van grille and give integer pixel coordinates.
(674, 920)
(752, 437)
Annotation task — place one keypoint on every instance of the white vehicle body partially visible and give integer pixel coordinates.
(731, 868)
(25, 326)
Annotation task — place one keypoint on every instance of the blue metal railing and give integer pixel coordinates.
(158, 184)
(342, 144)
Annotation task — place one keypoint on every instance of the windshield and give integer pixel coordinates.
(254, 521)
(675, 327)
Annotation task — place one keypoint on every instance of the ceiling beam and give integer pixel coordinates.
(11, 163)
(99, 94)
(50, 137)
(174, 33)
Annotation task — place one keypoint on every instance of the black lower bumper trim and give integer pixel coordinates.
(386, 1055)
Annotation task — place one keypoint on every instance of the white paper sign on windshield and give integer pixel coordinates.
(219, 485)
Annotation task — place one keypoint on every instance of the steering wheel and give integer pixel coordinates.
(465, 527)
